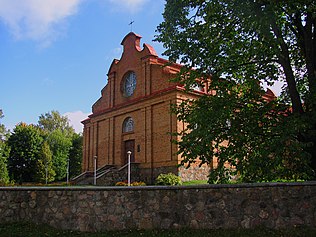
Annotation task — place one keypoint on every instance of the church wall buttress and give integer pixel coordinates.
(147, 78)
(141, 137)
(111, 140)
(85, 148)
(170, 131)
(148, 137)
(173, 128)
(89, 151)
(112, 84)
(95, 142)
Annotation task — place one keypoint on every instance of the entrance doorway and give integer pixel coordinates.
(129, 145)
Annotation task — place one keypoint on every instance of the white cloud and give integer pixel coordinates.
(75, 119)
(131, 6)
(38, 20)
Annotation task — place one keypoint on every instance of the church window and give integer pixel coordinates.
(128, 125)
(129, 84)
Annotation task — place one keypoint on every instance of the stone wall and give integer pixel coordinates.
(194, 172)
(206, 206)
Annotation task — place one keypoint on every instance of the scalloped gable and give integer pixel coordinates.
(148, 49)
(131, 40)
(131, 43)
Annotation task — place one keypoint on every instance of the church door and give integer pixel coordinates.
(129, 145)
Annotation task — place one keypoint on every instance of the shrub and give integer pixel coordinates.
(140, 183)
(121, 184)
(168, 179)
(124, 183)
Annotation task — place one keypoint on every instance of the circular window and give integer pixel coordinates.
(129, 84)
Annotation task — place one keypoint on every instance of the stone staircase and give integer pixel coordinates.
(108, 175)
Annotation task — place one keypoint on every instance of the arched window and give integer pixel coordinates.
(128, 125)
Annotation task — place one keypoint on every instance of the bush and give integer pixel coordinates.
(140, 183)
(121, 184)
(168, 179)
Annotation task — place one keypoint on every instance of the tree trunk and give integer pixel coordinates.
(284, 60)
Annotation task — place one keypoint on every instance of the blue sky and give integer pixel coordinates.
(55, 54)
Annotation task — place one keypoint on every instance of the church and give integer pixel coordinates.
(133, 114)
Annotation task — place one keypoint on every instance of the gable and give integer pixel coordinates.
(137, 74)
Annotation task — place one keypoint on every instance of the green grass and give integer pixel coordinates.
(195, 182)
(32, 230)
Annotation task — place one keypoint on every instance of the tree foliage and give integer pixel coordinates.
(25, 144)
(60, 145)
(52, 121)
(240, 44)
(36, 153)
(4, 174)
(59, 137)
(75, 155)
(44, 165)
(3, 130)
(4, 153)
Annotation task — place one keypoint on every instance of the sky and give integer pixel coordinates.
(55, 54)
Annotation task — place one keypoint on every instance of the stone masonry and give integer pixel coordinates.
(206, 206)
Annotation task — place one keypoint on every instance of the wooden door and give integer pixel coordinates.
(129, 145)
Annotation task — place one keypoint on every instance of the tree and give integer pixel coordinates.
(44, 165)
(75, 155)
(59, 135)
(240, 44)
(4, 153)
(59, 145)
(3, 130)
(25, 144)
(4, 174)
(52, 121)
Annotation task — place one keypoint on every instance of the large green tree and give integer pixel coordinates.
(4, 153)
(59, 135)
(44, 165)
(53, 120)
(25, 145)
(60, 146)
(240, 44)
(75, 155)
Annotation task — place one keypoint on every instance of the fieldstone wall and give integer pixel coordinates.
(194, 172)
(206, 206)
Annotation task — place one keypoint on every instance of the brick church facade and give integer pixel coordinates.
(133, 114)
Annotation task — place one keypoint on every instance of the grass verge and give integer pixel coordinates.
(195, 182)
(32, 230)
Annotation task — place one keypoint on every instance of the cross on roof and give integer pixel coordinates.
(131, 24)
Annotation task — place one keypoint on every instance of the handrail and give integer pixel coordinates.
(103, 173)
(124, 166)
(104, 170)
(80, 175)
(104, 167)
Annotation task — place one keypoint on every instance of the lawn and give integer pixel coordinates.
(195, 182)
(31, 230)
